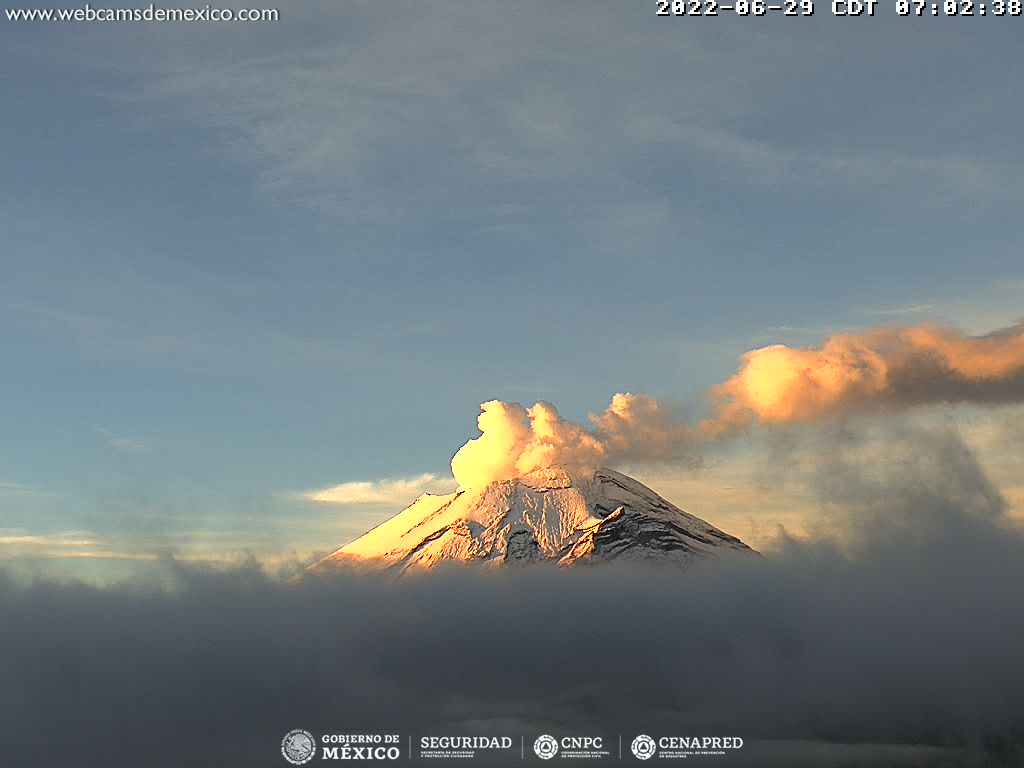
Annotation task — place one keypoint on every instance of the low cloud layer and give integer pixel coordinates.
(912, 652)
(899, 646)
(877, 370)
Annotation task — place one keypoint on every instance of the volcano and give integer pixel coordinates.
(561, 515)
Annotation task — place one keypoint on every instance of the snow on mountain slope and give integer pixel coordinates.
(554, 514)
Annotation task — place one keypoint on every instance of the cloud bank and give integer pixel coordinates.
(899, 647)
(897, 658)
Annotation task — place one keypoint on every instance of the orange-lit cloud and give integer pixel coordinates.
(894, 367)
(890, 367)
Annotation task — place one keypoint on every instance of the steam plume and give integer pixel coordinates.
(515, 440)
(890, 367)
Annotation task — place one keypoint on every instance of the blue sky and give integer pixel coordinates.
(243, 261)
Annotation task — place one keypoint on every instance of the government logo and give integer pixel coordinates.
(298, 747)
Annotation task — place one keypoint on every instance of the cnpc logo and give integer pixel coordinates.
(643, 747)
(545, 747)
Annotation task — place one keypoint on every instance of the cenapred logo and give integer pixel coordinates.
(643, 747)
(546, 747)
(298, 746)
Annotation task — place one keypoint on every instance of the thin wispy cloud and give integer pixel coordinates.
(400, 490)
(122, 443)
(389, 90)
(767, 161)
(190, 320)
(17, 537)
(908, 309)
(20, 489)
(19, 543)
(185, 545)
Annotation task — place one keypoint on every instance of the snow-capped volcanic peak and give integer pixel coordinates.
(555, 514)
